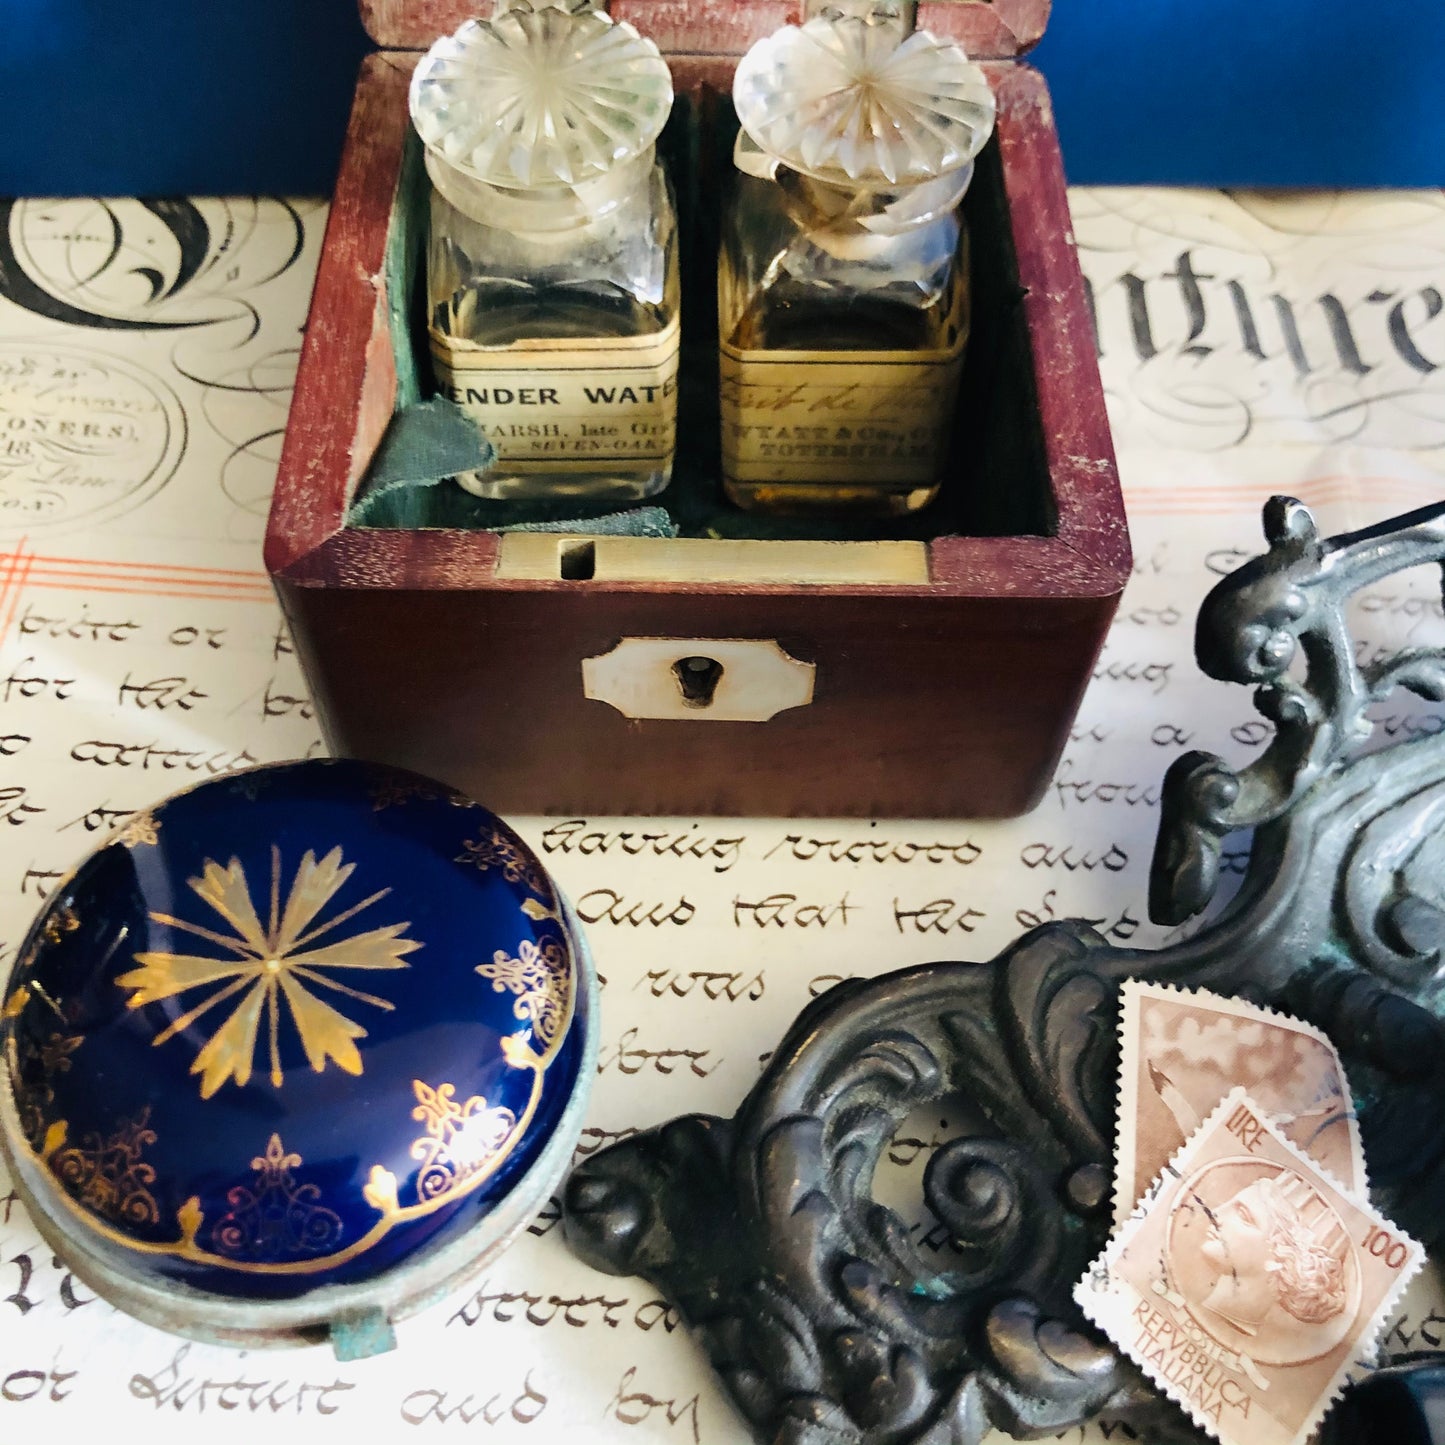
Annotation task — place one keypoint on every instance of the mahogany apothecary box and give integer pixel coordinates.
(929, 666)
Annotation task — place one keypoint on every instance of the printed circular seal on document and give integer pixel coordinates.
(1263, 1261)
(83, 436)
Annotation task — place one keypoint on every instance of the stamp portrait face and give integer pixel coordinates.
(1248, 1280)
(1262, 1261)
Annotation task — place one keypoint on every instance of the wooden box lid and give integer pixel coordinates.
(987, 29)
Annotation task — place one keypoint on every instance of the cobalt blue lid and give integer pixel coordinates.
(301, 1042)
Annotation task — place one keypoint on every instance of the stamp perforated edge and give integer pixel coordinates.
(1088, 1293)
(1135, 992)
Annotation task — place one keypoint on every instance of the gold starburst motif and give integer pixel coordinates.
(275, 969)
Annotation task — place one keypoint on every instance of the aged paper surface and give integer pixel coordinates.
(1248, 345)
(1249, 1280)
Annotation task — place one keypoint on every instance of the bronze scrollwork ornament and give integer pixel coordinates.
(822, 1319)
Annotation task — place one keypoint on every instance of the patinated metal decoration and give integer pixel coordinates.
(1292, 601)
(821, 1317)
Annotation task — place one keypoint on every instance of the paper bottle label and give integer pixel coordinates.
(567, 404)
(865, 418)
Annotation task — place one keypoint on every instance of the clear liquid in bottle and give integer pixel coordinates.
(552, 260)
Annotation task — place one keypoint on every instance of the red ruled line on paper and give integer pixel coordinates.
(17, 569)
(101, 579)
(22, 569)
(248, 573)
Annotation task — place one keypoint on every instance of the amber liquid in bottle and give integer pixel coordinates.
(839, 366)
(843, 287)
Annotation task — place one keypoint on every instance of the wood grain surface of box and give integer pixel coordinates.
(930, 668)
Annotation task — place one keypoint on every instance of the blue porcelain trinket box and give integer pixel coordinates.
(295, 1052)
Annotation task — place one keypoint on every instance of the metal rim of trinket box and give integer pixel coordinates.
(295, 1052)
(818, 1310)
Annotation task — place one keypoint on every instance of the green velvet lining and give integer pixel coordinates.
(996, 482)
(426, 444)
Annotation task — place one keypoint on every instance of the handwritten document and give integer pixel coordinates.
(1248, 344)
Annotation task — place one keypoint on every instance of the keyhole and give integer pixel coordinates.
(698, 678)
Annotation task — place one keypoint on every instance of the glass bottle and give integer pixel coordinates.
(843, 285)
(552, 281)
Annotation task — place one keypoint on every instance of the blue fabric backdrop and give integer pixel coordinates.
(1249, 92)
(166, 96)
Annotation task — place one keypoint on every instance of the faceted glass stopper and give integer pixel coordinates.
(538, 96)
(844, 100)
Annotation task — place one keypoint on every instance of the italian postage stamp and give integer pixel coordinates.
(1249, 1280)
(1181, 1053)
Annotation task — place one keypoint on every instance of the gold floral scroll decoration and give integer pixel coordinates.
(140, 829)
(389, 792)
(541, 977)
(108, 1175)
(460, 1139)
(37, 1062)
(496, 850)
(275, 1214)
(58, 922)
